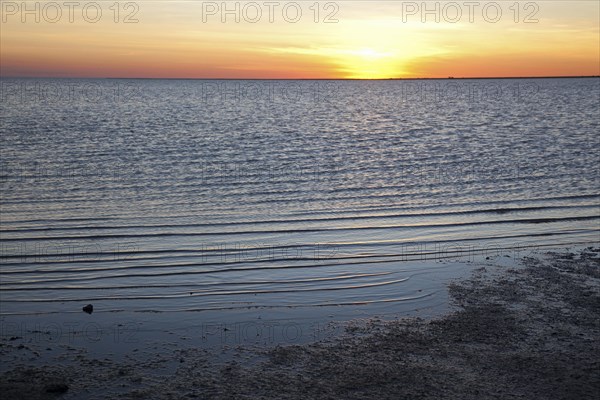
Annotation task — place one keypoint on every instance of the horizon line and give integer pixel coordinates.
(308, 79)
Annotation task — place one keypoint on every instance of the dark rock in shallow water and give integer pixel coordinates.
(88, 309)
(56, 388)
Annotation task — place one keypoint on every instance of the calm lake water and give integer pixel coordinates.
(189, 195)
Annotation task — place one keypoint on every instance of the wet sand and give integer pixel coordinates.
(531, 331)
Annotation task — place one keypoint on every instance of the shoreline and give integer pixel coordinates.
(309, 79)
(527, 331)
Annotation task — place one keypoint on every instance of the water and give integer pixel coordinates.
(189, 195)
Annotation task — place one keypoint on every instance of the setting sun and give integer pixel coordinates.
(371, 64)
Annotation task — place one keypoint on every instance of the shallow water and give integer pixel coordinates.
(190, 195)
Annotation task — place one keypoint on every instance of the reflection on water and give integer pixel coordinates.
(166, 195)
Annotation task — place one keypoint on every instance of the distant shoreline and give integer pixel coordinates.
(311, 79)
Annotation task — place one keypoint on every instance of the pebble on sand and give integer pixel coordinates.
(57, 388)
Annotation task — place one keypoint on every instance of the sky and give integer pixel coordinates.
(303, 39)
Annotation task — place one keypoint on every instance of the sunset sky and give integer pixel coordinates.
(371, 39)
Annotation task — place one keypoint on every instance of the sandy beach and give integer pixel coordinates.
(528, 331)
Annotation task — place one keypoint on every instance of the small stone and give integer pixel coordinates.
(56, 388)
(88, 309)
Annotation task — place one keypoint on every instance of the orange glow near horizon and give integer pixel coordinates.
(370, 40)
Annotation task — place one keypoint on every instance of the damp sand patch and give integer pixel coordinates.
(526, 332)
